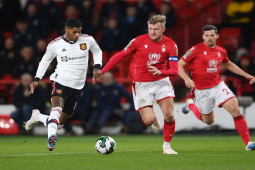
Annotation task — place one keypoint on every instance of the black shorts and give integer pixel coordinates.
(70, 95)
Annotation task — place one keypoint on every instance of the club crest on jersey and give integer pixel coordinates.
(205, 52)
(83, 46)
(145, 46)
(163, 48)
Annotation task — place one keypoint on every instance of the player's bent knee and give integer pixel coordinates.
(209, 122)
(169, 118)
(149, 121)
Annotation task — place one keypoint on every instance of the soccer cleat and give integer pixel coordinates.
(32, 121)
(185, 108)
(250, 146)
(156, 125)
(52, 142)
(168, 150)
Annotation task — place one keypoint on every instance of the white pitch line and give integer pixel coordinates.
(65, 153)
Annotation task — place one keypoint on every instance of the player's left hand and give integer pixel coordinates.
(153, 70)
(251, 79)
(96, 75)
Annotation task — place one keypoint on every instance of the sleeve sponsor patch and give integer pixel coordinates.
(187, 54)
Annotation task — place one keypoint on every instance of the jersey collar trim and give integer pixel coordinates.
(70, 42)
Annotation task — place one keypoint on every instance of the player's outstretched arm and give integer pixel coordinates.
(235, 69)
(188, 82)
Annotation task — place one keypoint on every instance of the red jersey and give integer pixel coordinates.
(145, 51)
(204, 63)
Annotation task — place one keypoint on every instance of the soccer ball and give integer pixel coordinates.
(105, 145)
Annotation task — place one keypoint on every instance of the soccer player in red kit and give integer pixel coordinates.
(204, 61)
(154, 59)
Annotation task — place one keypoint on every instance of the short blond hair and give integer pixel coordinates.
(157, 18)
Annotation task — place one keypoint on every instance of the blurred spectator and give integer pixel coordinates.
(8, 57)
(252, 50)
(23, 35)
(51, 13)
(84, 106)
(167, 10)
(41, 46)
(24, 102)
(246, 64)
(240, 13)
(112, 9)
(241, 51)
(9, 12)
(130, 23)
(144, 8)
(36, 22)
(108, 97)
(71, 11)
(112, 37)
(26, 62)
(89, 17)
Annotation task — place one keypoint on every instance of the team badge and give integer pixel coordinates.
(83, 46)
(145, 46)
(163, 48)
(205, 52)
(59, 91)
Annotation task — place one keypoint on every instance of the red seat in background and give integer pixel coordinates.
(8, 126)
(229, 38)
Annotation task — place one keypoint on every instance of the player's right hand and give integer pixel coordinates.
(33, 85)
(190, 84)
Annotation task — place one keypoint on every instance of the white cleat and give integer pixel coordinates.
(33, 120)
(250, 146)
(156, 125)
(168, 150)
(185, 108)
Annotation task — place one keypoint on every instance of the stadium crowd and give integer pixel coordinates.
(29, 25)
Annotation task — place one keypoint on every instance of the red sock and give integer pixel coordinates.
(168, 130)
(242, 129)
(195, 110)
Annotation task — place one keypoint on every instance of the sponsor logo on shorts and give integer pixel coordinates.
(59, 91)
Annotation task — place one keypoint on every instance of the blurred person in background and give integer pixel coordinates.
(36, 22)
(108, 98)
(50, 12)
(167, 10)
(112, 9)
(24, 35)
(8, 56)
(25, 103)
(25, 63)
(130, 23)
(89, 15)
(112, 37)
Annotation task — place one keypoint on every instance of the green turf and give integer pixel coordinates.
(133, 152)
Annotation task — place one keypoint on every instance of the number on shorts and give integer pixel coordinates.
(228, 92)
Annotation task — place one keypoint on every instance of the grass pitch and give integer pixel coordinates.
(142, 152)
